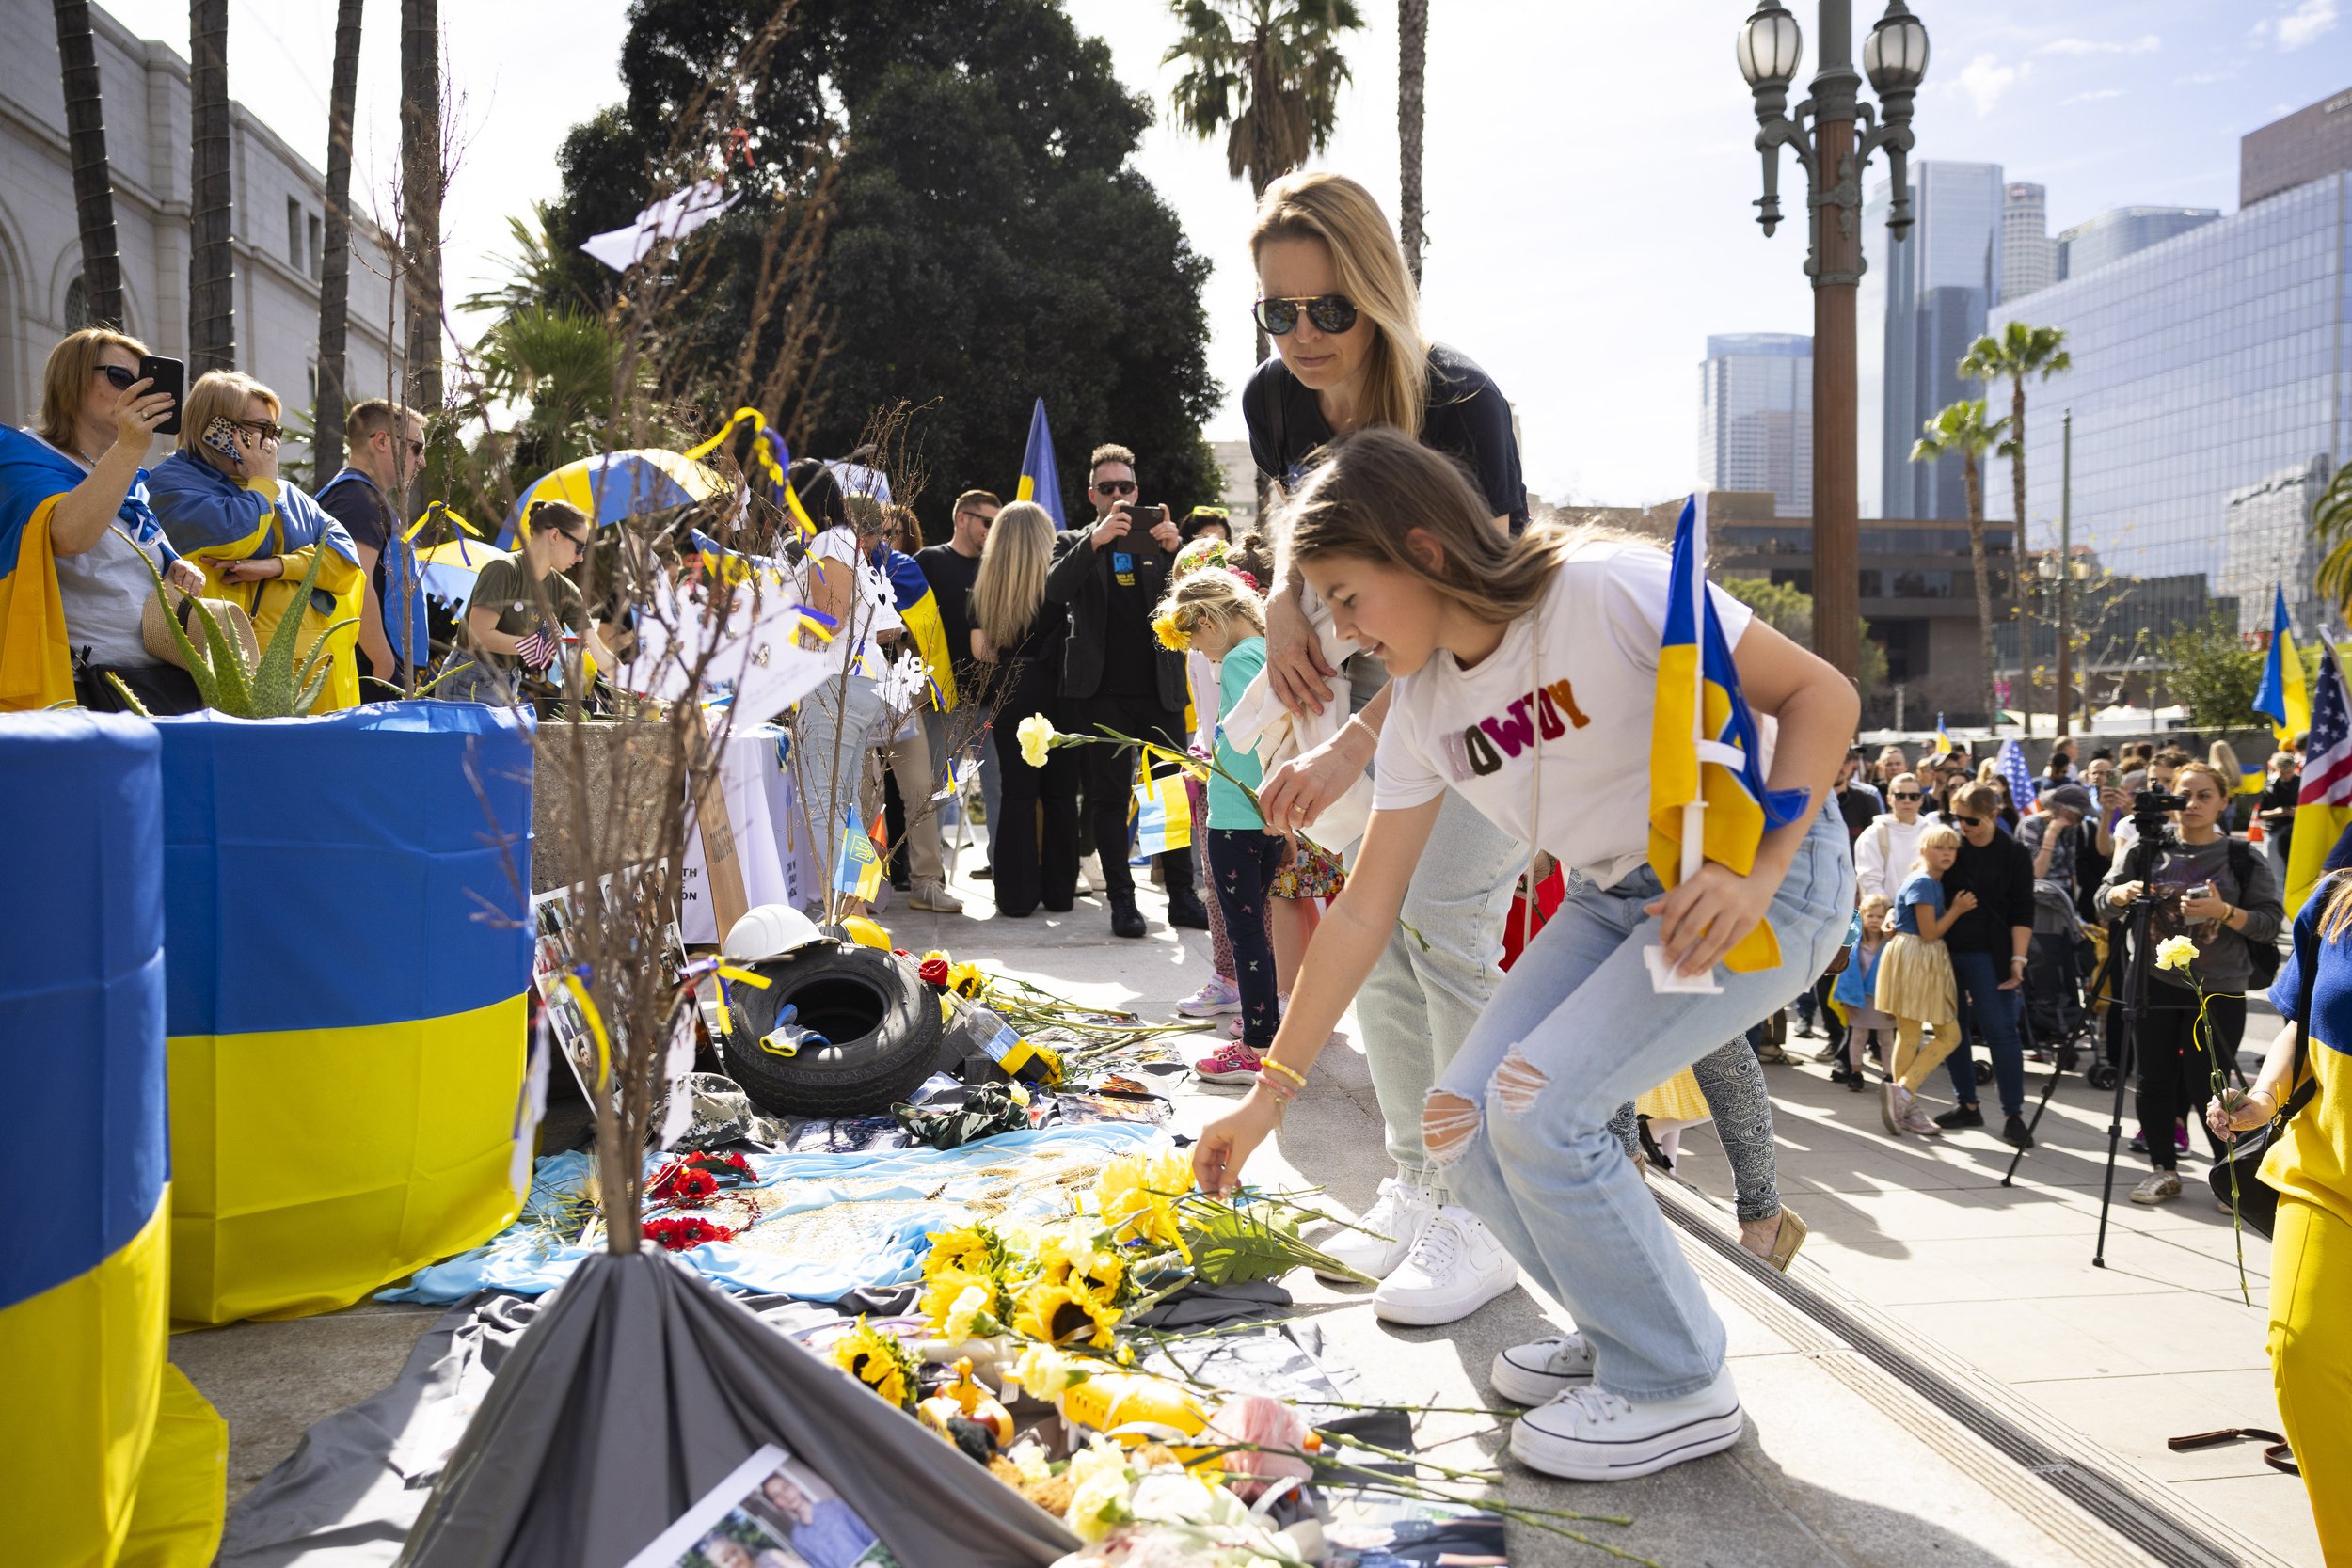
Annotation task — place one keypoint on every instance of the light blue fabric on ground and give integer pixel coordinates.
(525, 1257)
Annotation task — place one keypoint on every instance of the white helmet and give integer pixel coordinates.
(769, 931)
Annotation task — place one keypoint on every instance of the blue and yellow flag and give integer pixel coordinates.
(36, 660)
(857, 870)
(1943, 736)
(1038, 481)
(1163, 813)
(1708, 799)
(108, 1454)
(2282, 698)
(918, 607)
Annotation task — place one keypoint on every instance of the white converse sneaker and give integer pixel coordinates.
(1541, 1373)
(1455, 1267)
(1395, 1224)
(1588, 1433)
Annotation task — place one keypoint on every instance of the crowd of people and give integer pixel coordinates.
(1477, 689)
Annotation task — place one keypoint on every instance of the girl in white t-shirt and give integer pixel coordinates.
(1526, 673)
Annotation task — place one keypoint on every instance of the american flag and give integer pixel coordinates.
(2011, 765)
(2327, 760)
(537, 650)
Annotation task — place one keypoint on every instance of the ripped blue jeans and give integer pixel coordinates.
(1519, 1122)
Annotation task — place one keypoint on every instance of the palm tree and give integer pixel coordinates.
(93, 191)
(2332, 527)
(2019, 352)
(335, 277)
(211, 265)
(1962, 428)
(1412, 65)
(420, 175)
(536, 273)
(1268, 73)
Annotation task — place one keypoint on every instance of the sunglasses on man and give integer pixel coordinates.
(1332, 313)
(1903, 795)
(1114, 487)
(1966, 821)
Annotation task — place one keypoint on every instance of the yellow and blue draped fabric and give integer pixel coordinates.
(1038, 483)
(768, 461)
(105, 1447)
(615, 485)
(35, 650)
(448, 571)
(1703, 743)
(215, 521)
(2281, 698)
(346, 973)
(2324, 807)
(920, 609)
(857, 868)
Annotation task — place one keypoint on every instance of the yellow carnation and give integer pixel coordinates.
(2176, 953)
(1045, 1372)
(1036, 734)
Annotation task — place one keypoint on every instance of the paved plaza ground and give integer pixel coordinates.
(2071, 1376)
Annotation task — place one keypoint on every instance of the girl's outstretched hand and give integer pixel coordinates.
(1704, 917)
(1228, 1142)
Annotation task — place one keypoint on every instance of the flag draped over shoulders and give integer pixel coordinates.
(36, 659)
(1705, 758)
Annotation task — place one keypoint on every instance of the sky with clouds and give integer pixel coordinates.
(1588, 170)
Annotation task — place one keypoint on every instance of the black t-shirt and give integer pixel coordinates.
(1138, 576)
(2001, 875)
(951, 577)
(1468, 419)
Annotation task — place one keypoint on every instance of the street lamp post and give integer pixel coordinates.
(1769, 47)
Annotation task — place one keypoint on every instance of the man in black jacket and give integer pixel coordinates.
(1989, 945)
(1115, 674)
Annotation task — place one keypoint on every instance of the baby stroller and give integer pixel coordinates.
(2060, 1011)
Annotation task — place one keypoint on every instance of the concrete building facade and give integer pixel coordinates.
(1755, 416)
(277, 221)
(2314, 141)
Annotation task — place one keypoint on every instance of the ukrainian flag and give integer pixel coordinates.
(1708, 799)
(1943, 738)
(36, 660)
(2282, 698)
(1163, 813)
(1039, 481)
(857, 870)
(345, 996)
(107, 1453)
(920, 609)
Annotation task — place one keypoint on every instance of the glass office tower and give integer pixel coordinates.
(2121, 232)
(1755, 416)
(2217, 360)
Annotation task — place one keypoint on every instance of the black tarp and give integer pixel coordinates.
(639, 1388)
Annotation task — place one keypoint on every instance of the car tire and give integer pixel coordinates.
(880, 1022)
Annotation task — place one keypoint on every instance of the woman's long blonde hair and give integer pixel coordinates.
(1370, 267)
(1369, 493)
(66, 379)
(1010, 587)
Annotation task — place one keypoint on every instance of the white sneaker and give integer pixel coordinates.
(2157, 1186)
(1540, 1373)
(1217, 995)
(1090, 874)
(1588, 1433)
(935, 897)
(1394, 1223)
(1455, 1267)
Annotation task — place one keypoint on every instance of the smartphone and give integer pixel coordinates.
(1145, 519)
(169, 375)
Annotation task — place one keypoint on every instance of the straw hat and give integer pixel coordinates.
(155, 631)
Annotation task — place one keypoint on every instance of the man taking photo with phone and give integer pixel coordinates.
(1115, 675)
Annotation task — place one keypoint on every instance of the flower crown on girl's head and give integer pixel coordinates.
(1205, 592)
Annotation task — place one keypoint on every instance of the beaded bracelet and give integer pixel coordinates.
(1270, 1064)
(1276, 1087)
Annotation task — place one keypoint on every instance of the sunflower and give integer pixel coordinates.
(1080, 1262)
(879, 1361)
(1059, 1315)
(968, 1249)
(1138, 1195)
(966, 980)
(1171, 632)
(960, 1306)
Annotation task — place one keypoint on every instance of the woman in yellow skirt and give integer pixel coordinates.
(1915, 981)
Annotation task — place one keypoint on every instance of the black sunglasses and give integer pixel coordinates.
(1115, 486)
(1903, 795)
(1332, 313)
(120, 378)
(1966, 821)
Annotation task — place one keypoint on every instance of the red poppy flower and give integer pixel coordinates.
(934, 972)
(679, 1235)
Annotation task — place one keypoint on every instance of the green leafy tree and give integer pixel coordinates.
(1962, 428)
(2331, 526)
(2214, 674)
(2019, 352)
(1268, 73)
(989, 241)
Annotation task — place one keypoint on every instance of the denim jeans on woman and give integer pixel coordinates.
(837, 727)
(1986, 1009)
(1427, 988)
(1574, 1031)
